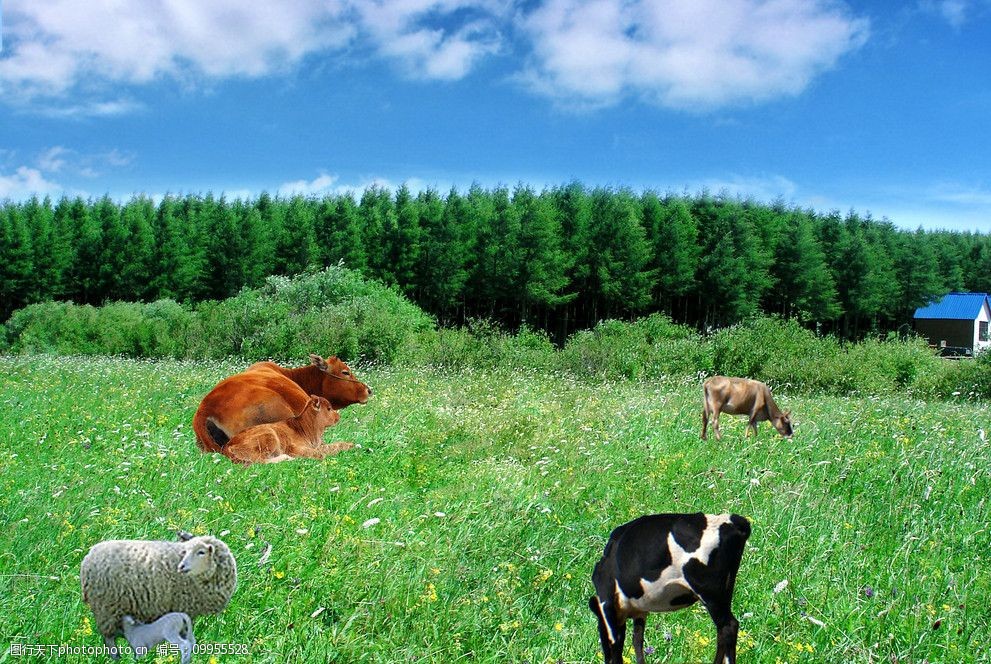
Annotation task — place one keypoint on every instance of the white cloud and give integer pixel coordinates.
(689, 54)
(765, 188)
(25, 182)
(679, 53)
(436, 39)
(60, 159)
(53, 159)
(954, 12)
(322, 184)
(56, 45)
(58, 48)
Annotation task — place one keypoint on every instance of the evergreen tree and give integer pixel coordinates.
(673, 234)
(379, 232)
(442, 269)
(296, 247)
(403, 241)
(17, 265)
(574, 210)
(805, 286)
(542, 275)
(178, 259)
(619, 271)
(138, 253)
(84, 275)
(50, 257)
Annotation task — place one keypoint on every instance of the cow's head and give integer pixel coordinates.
(339, 386)
(323, 413)
(783, 424)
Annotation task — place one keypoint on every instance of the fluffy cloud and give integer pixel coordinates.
(439, 39)
(694, 54)
(56, 44)
(322, 184)
(25, 182)
(678, 53)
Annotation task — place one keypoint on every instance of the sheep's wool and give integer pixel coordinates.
(141, 578)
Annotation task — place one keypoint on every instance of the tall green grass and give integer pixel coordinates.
(495, 490)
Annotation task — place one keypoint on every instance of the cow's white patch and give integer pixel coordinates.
(671, 584)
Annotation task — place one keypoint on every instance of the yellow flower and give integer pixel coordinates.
(278, 574)
(558, 627)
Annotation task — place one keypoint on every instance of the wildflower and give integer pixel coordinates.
(780, 586)
(558, 627)
(371, 522)
(868, 592)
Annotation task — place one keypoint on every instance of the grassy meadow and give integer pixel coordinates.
(466, 526)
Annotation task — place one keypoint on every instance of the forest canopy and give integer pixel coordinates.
(559, 259)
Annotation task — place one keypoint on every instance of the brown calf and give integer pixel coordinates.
(300, 436)
(741, 396)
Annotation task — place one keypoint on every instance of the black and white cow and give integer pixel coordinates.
(665, 562)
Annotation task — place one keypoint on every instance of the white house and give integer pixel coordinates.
(958, 321)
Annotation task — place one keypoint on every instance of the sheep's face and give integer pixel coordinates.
(129, 621)
(198, 559)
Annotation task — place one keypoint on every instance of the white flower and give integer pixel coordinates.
(376, 501)
(781, 586)
(439, 515)
(371, 522)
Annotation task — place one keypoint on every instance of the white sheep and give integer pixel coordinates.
(147, 579)
(176, 628)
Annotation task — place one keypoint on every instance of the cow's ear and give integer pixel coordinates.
(316, 404)
(318, 362)
(787, 413)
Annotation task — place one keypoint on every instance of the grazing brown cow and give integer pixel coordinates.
(266, 392)
(741, 396)
(300, 436)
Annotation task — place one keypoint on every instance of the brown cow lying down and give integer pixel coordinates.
(300, 436)
(266, 392)
(741, 396)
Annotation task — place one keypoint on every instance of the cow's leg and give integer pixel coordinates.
(715, 424)
(334, 448)
(619, 633)
(638, 626)
(752, 426)
(705, 423)
(727, 629)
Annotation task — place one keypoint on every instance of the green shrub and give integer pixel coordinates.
(332, 311)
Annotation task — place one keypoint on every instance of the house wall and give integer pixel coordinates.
(984, 316)
(954, 332)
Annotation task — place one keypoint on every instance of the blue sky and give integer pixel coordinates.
(882, 107)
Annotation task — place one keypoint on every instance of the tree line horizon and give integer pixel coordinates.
(560, 259)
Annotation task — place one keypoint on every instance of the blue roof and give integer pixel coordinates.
(954, 306)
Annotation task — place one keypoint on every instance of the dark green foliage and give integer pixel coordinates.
(331, 311)
(560, 259)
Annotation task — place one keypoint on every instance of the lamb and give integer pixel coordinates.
(665, 562)
(176, 628)
(147, 579)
